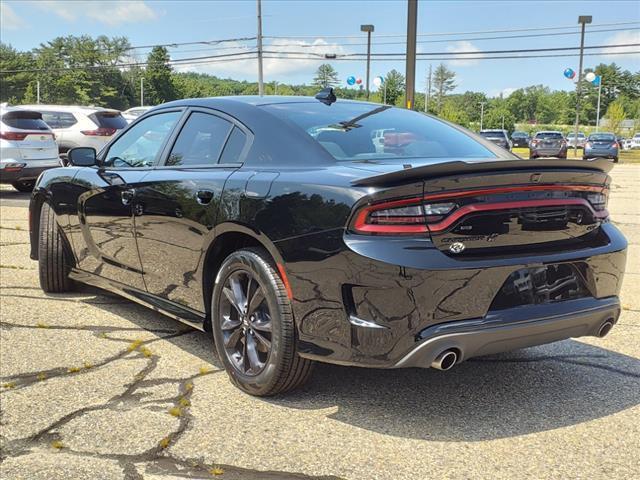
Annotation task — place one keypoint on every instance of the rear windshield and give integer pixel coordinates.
(24, 120)
(519, 134)
(598, 137)
(492, 134)
(553, 135)
(353, 131)
(109, 120)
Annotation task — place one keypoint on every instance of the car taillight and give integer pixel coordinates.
(534, 142)
(598, 200)
(100, 132)
(614, 145)
(400, 217)
(19, 136)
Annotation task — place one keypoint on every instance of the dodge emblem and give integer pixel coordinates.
(536, 177)
(457, 247)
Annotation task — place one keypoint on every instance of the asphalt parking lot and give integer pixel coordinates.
(94, 386)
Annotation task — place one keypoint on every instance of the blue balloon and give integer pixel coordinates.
(351, 80)
(569, 73)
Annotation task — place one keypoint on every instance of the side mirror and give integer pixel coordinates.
(82, 157)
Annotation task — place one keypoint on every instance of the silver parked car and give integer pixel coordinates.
(603, 145)
(27, 148)
(81, 126)
(548, 144)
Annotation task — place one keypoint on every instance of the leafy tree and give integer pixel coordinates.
(454, 114)
(615, 116)
(499, 118)
(14, 85)
(158, 81)
(326, 76)
(394, 82)
(443, 83)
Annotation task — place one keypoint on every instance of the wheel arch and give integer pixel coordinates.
(230, 237)
(38, 198)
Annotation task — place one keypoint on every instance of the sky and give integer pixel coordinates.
(324, 26)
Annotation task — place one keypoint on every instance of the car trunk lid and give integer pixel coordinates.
(505, 206)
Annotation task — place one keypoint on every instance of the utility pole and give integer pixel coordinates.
(142, 91)
(598, 109)
(410, 77)
(481, 113)
(502, 122)
(368, 29)
(260, 79)
(427, 96)
(38, 92)
(582, 20)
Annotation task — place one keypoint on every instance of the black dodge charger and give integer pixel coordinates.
(298, 229)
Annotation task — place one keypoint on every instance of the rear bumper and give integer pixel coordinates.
(25, 173)
(548, 152)
(609, 153)
(512, 329)
(371, 301)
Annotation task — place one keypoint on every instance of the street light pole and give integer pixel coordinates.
(582, 20)
(427, 95)
(259, 39)
(481, 113)
(368, 29)
(142, 91)
(412, 27)
(598, 109)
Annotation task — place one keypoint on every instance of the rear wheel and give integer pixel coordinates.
(24, 185)
(53, 258)
(253, 326)
(615, 159)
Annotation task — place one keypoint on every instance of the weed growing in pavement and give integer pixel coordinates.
(9, 385)
(41, 377)
(134, 345)
(175, 411)
(164, 443)
(57, 444)
(216, 471)
(42, 325)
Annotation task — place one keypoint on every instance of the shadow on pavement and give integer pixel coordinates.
(506, 395)
(12, 198)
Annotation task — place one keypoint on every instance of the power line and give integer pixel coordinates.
(441, 34)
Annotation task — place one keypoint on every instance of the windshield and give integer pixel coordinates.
(602, 137)
(553, 135)
(109, 120)
(519, 134)
(355, 131)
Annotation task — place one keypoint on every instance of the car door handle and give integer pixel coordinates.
(127, 196)
(203, 197)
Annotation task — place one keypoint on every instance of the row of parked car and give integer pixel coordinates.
(33, 136)
(552, 143)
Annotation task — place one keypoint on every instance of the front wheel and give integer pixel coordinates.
(24, 185)
(253, 326)
(615, 159)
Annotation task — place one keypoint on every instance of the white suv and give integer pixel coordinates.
(635, 141)
(81, 126)
(133, 113)
(27, 148)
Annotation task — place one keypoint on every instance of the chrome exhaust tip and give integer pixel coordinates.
(445, 361)
(605, 328)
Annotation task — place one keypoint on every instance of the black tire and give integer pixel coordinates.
(24, 185)
(281, 369)
(615, 159)
(53, 257)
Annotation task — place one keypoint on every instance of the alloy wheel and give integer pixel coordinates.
(245, 321)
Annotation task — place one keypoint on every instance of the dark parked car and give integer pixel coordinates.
(520, 139)
(499, 137)
(281, 226)
(603, 145)
(548, 144)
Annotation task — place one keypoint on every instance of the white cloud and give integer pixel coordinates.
(505, 92)
(464, 60)
(287, 62)
(9, 20)
(109, 12)
(622, 38)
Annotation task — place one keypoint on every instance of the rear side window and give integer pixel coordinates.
(109, 120)
(59, 119)
(24, 120)
(200, 141)
(233, 148)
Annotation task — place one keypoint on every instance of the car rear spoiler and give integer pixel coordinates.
(479, 166)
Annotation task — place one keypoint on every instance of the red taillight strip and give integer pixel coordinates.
(19, 136)
(360, 223)
(484, 207)
(523, 188)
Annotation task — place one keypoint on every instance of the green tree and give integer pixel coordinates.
(13, 84)
(326, 76)
(615, 116)
(499, 118)
(158, 81)
(394, 82)
(454, 114)
(443, 83)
